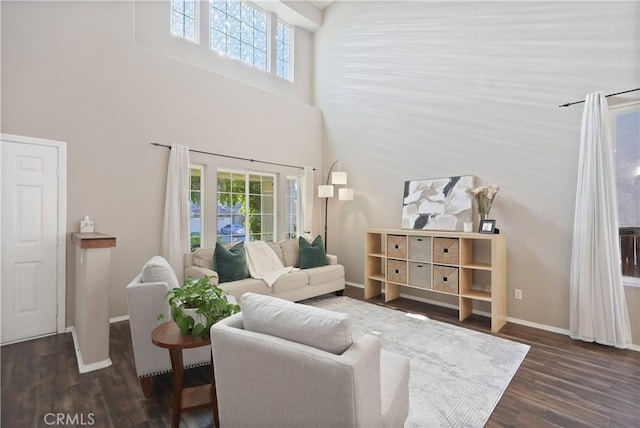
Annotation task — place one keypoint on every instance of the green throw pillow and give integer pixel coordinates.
(230, 264)
(312, 255)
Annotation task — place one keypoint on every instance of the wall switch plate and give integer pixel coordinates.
(518, 294)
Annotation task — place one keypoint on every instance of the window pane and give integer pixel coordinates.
(218, 41)
(260, 20)
(233, 8)
(233, 47)
(234, 28)
(247, 53)
(255, 184)
(224, 182)
(267, 185)
(219, 4)
(178, 28)
(218, 21)
(260, 40)
(255, 204)
(189, 29)
(247, 34)
(246, 13)
(190, 8)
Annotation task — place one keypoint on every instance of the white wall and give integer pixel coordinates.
(428, 89)
(71, 71)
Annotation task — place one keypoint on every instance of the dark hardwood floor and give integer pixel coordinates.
(561, 382)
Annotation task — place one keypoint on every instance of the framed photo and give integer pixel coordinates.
(487, 226)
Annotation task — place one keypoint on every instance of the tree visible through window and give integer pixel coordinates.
(246, 206)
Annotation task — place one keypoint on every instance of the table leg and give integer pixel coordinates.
(214, 397)
(178, 376)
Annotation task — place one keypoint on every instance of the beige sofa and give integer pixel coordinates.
(282, 364)
(294, 286)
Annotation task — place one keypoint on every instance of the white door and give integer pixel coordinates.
(29, 240)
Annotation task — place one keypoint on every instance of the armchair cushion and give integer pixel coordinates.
(322, 329)
(157, 269)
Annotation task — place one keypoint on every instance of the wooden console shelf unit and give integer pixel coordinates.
(471, 266)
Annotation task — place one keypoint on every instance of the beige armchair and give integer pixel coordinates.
(145, 301)
(282, 364)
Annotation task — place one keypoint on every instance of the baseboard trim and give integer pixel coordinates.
(118, 319)
(519, 321)
(82, 367)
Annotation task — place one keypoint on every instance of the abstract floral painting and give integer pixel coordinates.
(437, 203)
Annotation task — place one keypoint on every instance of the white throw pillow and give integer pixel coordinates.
(320, 328)
(158, 269)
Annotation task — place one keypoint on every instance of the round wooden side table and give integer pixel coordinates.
(168, 336)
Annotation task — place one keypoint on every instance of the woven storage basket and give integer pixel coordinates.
(397, 271)
(445, 279)
(446, 250)
(397, 246)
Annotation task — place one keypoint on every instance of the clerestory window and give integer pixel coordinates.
(283, 51)
(184, 19)
(240, 30)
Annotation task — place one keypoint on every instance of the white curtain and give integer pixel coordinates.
(306, 201)
(175, 229)
(598, 311)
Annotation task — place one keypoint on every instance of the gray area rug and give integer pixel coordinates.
(457, 375)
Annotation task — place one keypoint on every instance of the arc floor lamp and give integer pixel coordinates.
(326, 191)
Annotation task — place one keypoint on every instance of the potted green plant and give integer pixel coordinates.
(197, 305)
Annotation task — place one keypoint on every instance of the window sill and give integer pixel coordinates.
(629, 281)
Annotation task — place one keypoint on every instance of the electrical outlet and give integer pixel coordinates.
(518, 294)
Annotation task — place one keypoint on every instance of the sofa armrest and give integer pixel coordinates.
(188, 259)
(145, 301)
(199, 272)
(332, 260)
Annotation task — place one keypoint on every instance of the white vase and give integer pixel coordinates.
(197, 318)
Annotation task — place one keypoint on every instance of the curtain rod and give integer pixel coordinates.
(233, 157)
(610, 95)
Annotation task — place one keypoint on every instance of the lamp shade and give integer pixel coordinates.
(345, 194)
(338, 177)
(325, 191)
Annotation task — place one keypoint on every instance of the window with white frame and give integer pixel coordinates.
(283, 51)
(196, 205)
(184, 19)
(626, 132)
(293, 208)
(239, 30)
(246, 206)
